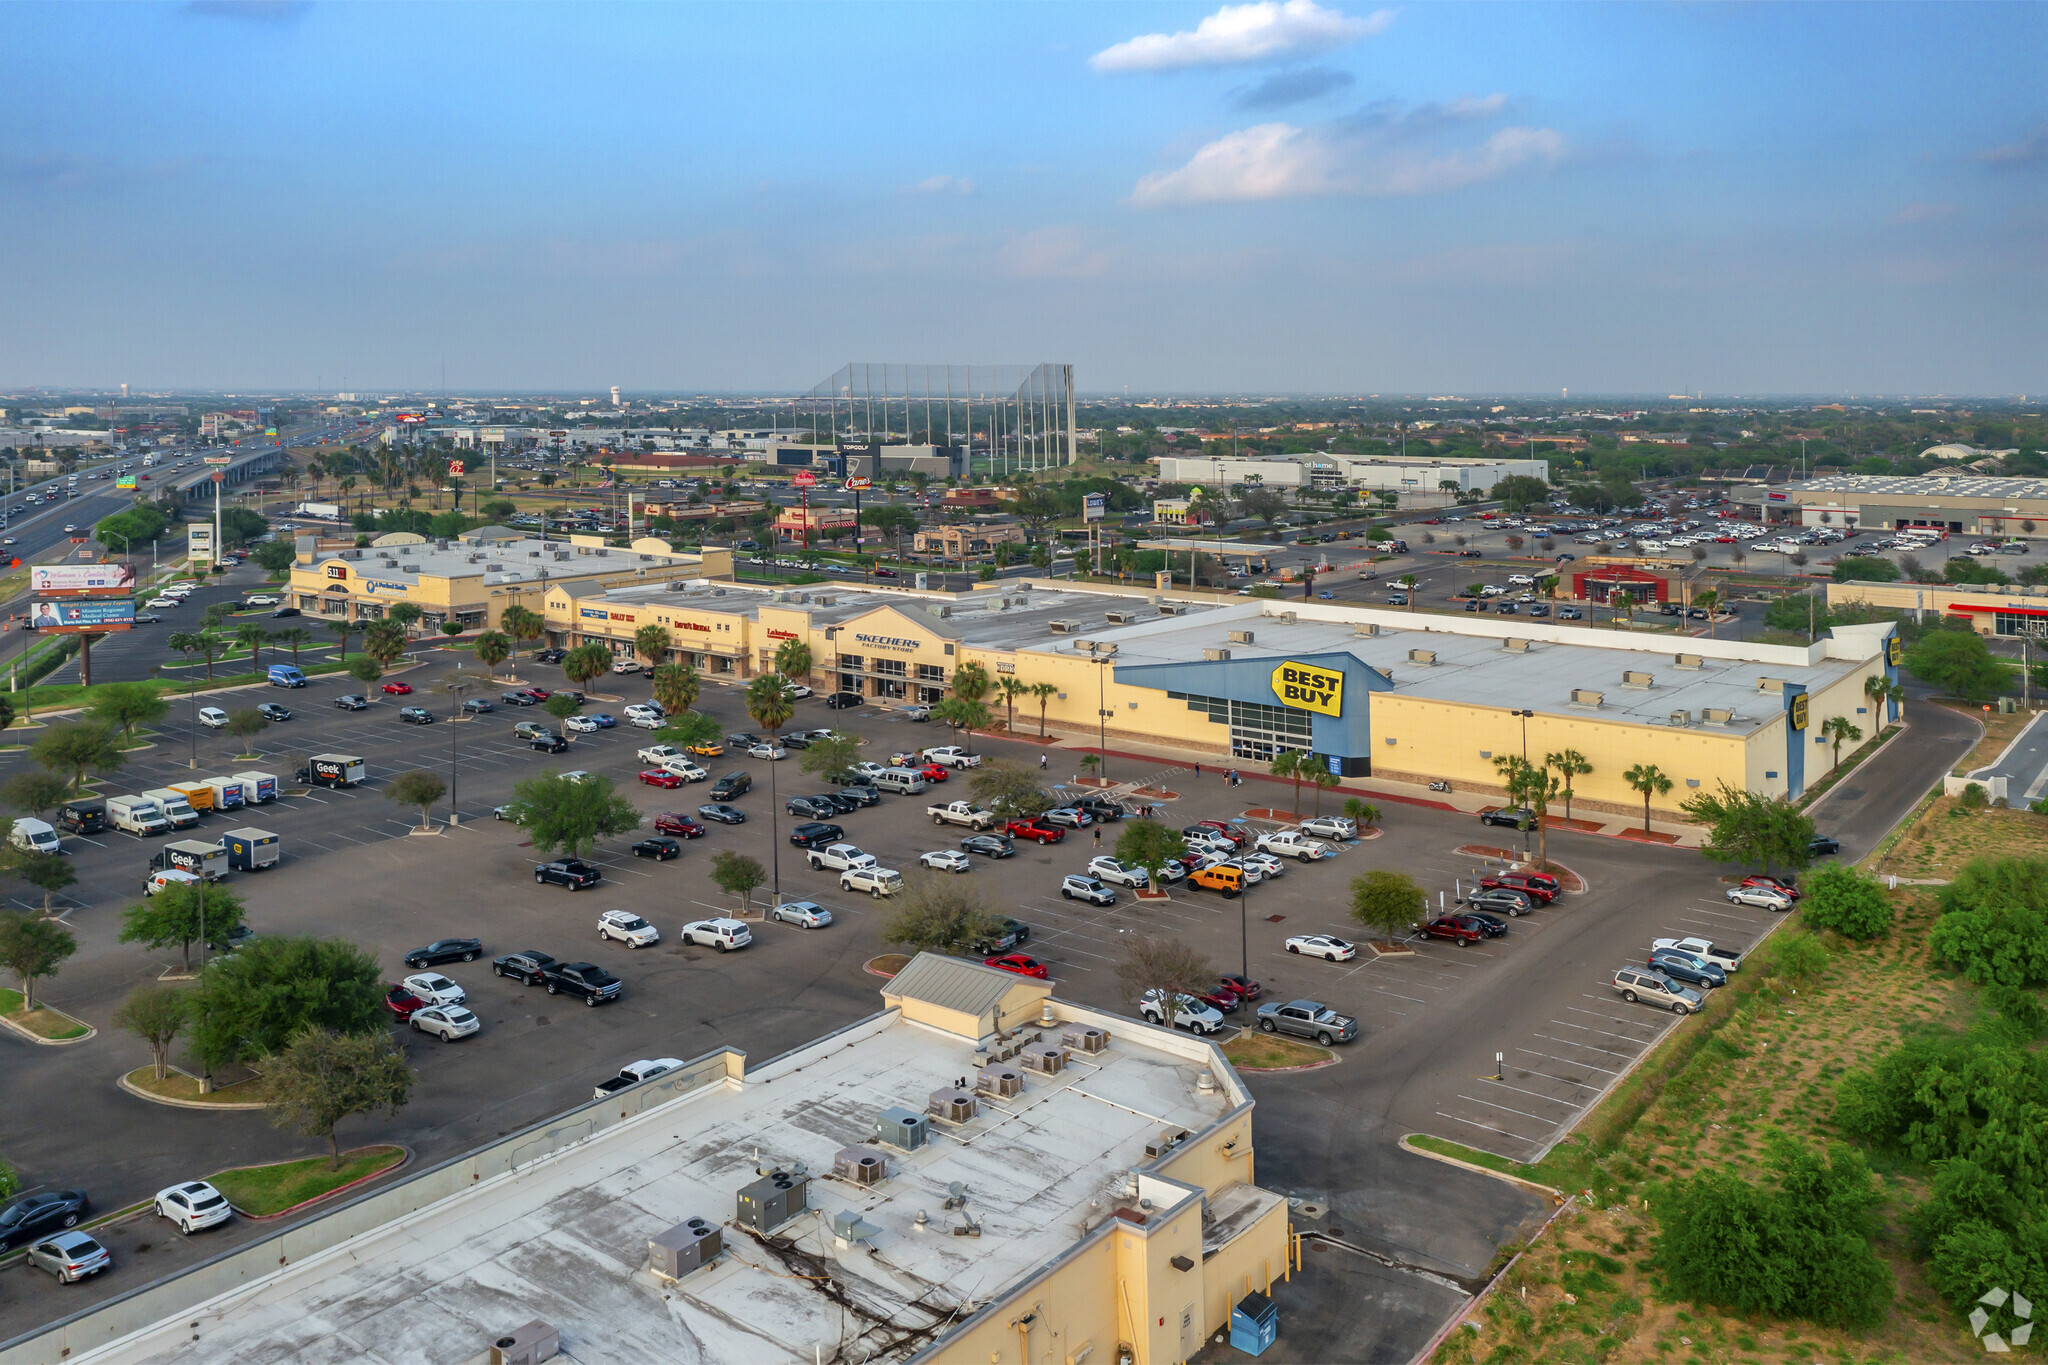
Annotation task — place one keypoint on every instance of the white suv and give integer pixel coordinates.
(1110, 870)
(876, 881)
(628, 928)
(722, 934)
(1188, 1013)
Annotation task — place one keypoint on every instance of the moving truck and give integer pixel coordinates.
(137, 815)
(197, 795)
(332, 770)
(189, 855)
(175, 807)
(250, 850)
(257, 788)
(227, 792)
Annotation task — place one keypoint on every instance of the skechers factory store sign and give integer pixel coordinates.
(1310, 689)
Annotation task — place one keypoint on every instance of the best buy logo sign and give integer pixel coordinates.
(1310, 689)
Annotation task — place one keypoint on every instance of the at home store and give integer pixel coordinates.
(1413, 697)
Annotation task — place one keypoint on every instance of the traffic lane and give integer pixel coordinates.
(1883, 790)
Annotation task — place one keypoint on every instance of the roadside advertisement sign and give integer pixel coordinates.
(859, 483)
(1094, 507)
(75, 615)
(124, 483)
(217, 459)
(84, 579)
(455, 468)
(804, 478)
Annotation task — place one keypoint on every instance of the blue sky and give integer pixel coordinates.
(1279, 196)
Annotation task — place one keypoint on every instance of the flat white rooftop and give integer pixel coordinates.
(564, 1239)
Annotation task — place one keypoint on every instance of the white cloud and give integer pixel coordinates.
(1269, 30)
(1377, 153)
(941, 184)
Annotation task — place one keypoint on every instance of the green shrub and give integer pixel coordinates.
(1847, 901)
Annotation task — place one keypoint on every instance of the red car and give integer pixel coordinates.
(1456, 928)
(933, 772)
(1222, 1001)
(397, 689)
(1235, 833)
(681, 825)
(1020, 963)
(537, 693)
(660, 777)
(1783, 884)
(1539, 886)
(403, 1002)
(1244, 986)
(1035, 829)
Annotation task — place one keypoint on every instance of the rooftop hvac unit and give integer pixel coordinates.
(861, 1165)
(773, 1200)
(1084, 1038)
(647, 558)
(1681, 719)
(1716, 715)
(1240, 637)
(1216, 656)
(942, 610)
(1063, 627)
(1288, 617)
(1365, 628)
(1515, 646)
(1421, 656)
(601, 554)
(1103, 647)
(954, 1106)
(1120, 618)
(848, 1227)
(1582, 696)
(1166, 1141)
(1000, 1081)
(902, 1128)
(533, 554)
(689, 1245)
(1688, 661)
(1636, 678)
(1046, 1061)
(528, 1345)
(1172, 609)
(1770, 685)
(825, 599)
(1088, 645)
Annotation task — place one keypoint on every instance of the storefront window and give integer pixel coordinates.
(931, 673)
(891, 668)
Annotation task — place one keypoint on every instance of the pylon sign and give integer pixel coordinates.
(455, 469)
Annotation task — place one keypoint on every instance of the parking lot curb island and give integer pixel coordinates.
(36, 1038)
(228, 1107)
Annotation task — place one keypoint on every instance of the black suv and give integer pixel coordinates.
(526, 966)
(815, 835)
(573, 873)
(861, 794)
(988, 845)
(731, 785)
(550, 743)
(551, 656)
(594, 984)
(416, 715)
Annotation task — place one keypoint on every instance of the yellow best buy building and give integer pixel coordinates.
(1405, 696)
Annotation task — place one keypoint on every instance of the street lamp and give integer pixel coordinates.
(456, 688)
(1523, 716)
(1102, 712)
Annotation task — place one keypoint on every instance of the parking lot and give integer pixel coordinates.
(1431, 1020)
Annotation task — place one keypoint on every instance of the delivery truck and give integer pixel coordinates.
(175, 807)
(86, 815)
(197, 795)
(136, 815)
(258, 789)
(189, 855)
(250, 850)
(332, 770)
(35, 836)
(227, 792)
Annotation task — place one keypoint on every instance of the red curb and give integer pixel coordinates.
(404, 1160)
(1651, 837)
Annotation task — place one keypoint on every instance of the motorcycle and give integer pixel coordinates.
(1439, 786)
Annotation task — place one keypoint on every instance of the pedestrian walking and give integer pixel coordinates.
(1098, 838)
(1041, 763)
(1198, 770)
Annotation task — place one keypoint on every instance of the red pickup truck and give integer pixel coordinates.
(1035, 828)
(1543, 887)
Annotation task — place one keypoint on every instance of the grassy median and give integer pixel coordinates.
(41, 1022)
(260, 1190)
(1255, 1051)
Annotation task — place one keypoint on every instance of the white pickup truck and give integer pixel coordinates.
(655, 755)
(963, 813)
(1292, 843)
(644, 1070)
(838, 858)
(952, 756)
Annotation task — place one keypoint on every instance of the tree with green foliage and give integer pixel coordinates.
(836, 754)
(1865, 569)
(37, 793)
(561, 706)
(1568, 764)
(1531, 788)
(1883, 693)
(48, 873)
(1387, 902)
(1802, 956)
(676, 686)
(157, 1015)
(1517, 491)
(1958, 663)
(1150, 845)
(33, 947)
(1295, 764)
(938, 914)
(1994, 922)
(1361, 812)
(384, 641)
(246, 722)
(1650, 780)
(250, 1003)
(1042, 693)
(252, 637)
(1748, 828)
(405, 614)
(793, 660)
(1800, 1250)
(181, 914)
(77, 747)
(521, 624)
(1967, 569)
(323, 1076)
(493, 647)
(126, 705)
(191, 642)
(736, 874)
(417, 788)
(1009, 789)
(1846, 900)
(963, 717)
(1167, 965)
(1839, 730)
(652, 643)
(240, 526)
(586, 663)
(365, 669)
(342, 628)
(274, 556)
(688, 729)
(571, 816)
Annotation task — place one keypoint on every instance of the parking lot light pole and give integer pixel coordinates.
(1523, 716)
(456, 688)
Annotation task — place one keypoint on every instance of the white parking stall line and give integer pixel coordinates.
(1413, 1000)
(1519, 1113)
(1532, 1094)
(90, 840)
(315, 843)
(1459, 1118)
(1728, 914)
(1617, 1037)
(1561, 1080)
(1590, 1047)
(1610, 1003)
(350, 837)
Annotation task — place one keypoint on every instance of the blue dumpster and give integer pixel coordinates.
(1254, 1323)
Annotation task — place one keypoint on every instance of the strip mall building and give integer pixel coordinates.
(1375, 692)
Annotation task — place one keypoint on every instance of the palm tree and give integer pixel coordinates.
(1648, 779)
(342, 628)
(294, 639)
(1877, 687)
(586, 663)
(1045, 692)
(1837, 729)
(1012, 687)
(1407, 585)
(1294, 763)
(652, 643)
(1567, 764)
(492, 648)
(770, 706)
(1361, 812)
(1322, 779)
(676, 686)
(255, 637)
(793, 661)
(522, 624)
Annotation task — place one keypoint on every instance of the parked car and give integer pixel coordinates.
(573, 873)
(213, 718)
(70, 1256)
(1326, 946)
(661, 777)
(1505, 899)
(839, 701)
(397, 689)
(1246, 988)
(1641, 983)
(661, 850)
(1727, 959)
(1693, 970)
(416, 715)
(815, 833)
(402, 1002)
(1021, 963)
(1763, 897)
(350, 701)
(1308, 1019)
(803, 914)
(1775, 883)
(529, 729)
(526, 966)
(548, 742)
(722, 933)
(862, 793)
(1100, 810)
(1182, 1011)
(1080, 888)
(1540, 887)
(1109, 869)
(770, 752)
(1067, 817)
(29, 1216)
(192, 1206)
(270, 710)
(876, 881)
(477, 706)
(946, 860)
(446, 1022)
(627, 928)
(811, 807)
(988, 845)
(682, 826)
(592, 983)
(445, 950)
(1459, 929)
(1037, 830)
(1510, 816)
(1330, 827)
(1822, 845)
(582, 725)
(722, 813)
(435, 988)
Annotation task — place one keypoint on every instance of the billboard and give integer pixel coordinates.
(86, 579)
(859, 483)
(124, 483)
(75, 615)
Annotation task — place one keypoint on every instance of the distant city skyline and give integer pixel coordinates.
(1284, 197)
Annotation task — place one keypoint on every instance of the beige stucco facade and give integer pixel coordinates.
(2018, 610)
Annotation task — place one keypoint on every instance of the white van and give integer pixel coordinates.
(213, 717)
(35, 836)
(900, 780)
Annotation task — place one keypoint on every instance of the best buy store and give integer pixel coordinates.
(1410, 697)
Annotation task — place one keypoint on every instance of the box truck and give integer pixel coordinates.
(175, 807)
(197, 795)
(325, 511)
(136, 815)
(227, 792)
(258, 789)
(332, 770)
(189, 855)
(250, 850)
